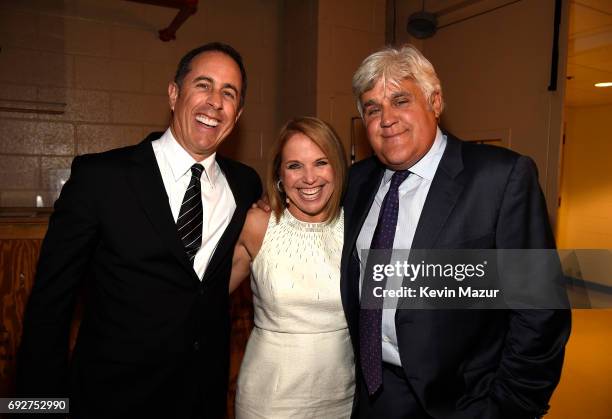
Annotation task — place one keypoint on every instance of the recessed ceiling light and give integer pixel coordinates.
(605, 84)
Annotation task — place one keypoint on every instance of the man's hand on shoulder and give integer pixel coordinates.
(262, 203)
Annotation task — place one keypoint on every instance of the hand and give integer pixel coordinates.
(262, 204)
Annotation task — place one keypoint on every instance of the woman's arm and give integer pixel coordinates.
(240, 265)
(248, 245)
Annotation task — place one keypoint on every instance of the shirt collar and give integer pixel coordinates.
(180, 161)
(427, 166)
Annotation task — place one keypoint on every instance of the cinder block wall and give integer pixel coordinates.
(90, 75)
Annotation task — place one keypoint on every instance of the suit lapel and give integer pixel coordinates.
(364, 190)
(446, 187)
(442, 197)
(145, 180)
(233, 229)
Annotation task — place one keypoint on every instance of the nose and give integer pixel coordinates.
(387, 117)
(215, 100)
(309, 175)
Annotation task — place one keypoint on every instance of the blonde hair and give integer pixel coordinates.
(397, 64)
(324, 136)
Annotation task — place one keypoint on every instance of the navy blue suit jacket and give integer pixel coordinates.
(469, 363)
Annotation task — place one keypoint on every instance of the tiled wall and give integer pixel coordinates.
(101, 65)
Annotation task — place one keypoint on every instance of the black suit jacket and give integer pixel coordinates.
(154, 339)
(469, 363)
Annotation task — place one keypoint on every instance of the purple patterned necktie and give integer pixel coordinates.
(370, 320)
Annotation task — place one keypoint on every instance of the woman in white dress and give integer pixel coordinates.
(299, 360)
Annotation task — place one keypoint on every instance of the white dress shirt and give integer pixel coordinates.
(217, 198)
(412, 194)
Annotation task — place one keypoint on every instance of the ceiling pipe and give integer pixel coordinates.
(186, 9)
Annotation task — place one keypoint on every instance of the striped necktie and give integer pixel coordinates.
(189, 222)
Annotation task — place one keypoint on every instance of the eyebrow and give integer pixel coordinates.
(292, 161)
(211, 81)
(301, 162)
(395, 95)
(369, 103)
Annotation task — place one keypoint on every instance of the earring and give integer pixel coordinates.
(279, 186)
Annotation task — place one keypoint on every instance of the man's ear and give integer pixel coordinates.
(173, 92)
(436, 103)
(238, 114)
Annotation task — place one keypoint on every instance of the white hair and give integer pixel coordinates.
(397, 64)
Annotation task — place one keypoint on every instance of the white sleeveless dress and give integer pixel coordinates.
(299, 360)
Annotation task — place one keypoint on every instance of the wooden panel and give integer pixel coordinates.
(177, 4)
(17, 265)
(18, 259)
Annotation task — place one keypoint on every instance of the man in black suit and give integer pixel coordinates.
(152, 228)
(438, 192)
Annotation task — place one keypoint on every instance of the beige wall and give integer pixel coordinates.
(102, 66)
(349, 30)
(299, 59)
(495, 71)
(100, 62)
(585, 215)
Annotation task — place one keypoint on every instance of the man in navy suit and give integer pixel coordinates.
(441, 193)
(152, 228)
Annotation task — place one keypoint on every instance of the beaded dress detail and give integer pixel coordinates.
(299, 360)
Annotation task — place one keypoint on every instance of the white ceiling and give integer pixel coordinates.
(589, 52)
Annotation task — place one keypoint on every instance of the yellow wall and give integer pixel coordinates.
(585, 214)
(585, 221)
(586, 381)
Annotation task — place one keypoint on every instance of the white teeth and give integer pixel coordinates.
(207, 121)
(310, 191)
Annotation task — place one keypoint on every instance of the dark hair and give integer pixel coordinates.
(184, 65)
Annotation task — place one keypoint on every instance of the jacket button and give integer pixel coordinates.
(201, 290)
(196, 346)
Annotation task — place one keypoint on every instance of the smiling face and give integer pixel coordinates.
(400, 123)
(307, 178)
(206, 106)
